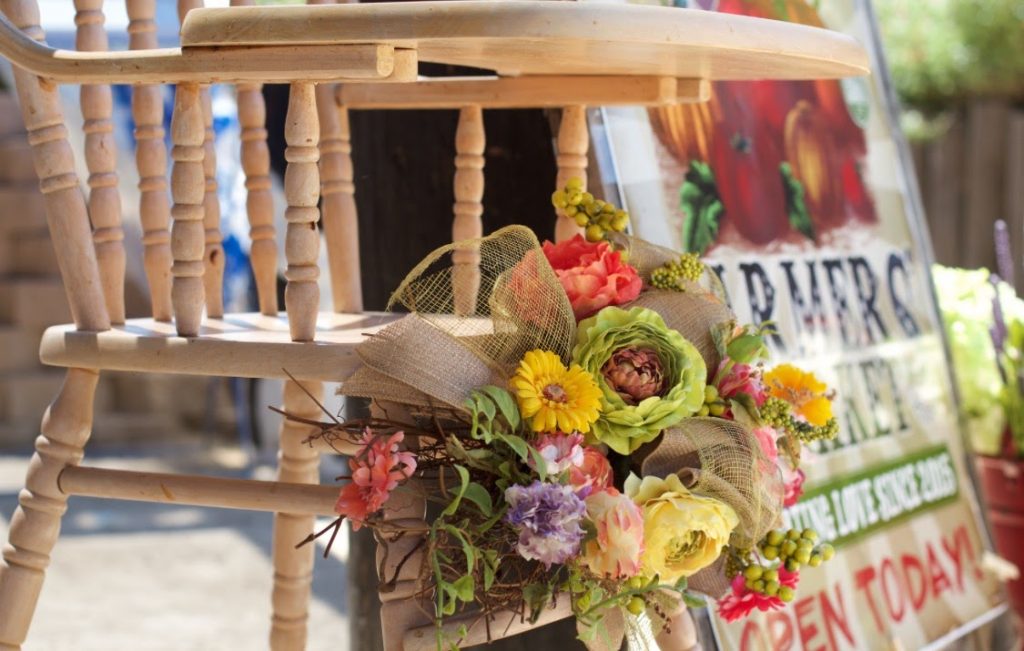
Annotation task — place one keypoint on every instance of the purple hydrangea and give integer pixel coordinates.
(548, 518)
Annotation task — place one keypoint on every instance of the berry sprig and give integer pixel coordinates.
(674, 273)
(596, 217)
(713, 403)
(790, 549)
(779, 414)
(794, 548)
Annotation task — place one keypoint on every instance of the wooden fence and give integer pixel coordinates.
(971, 176)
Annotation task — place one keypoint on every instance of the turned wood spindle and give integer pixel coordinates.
(101, 161)
(293, 568)
(35, 524)
(573, 143)
(66, 212)
(187, 189)
(341, 222)
(302, 191)
(259, 203)
(469, 193)
(213, 252)
(151, 162)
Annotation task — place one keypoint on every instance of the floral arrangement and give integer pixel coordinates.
(595, 431)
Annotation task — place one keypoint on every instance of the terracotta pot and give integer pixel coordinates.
(1002, 485)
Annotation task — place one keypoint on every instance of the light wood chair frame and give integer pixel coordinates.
(183, 255)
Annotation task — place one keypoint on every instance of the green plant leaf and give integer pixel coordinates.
(464, 588)
(491, 561)
(693, 601)
(702, 208)
(505, 402)
(518, 445)
(478, 495)
(463, 485)
(799, 216)
(746, 348)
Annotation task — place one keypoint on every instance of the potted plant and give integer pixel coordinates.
(984, 322)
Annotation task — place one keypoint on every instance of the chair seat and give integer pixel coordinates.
(525, 37)
(239, 345)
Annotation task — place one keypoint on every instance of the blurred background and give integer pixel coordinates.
(958, 66)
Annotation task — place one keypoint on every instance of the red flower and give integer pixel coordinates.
(742, 600)
(377, 469)
(593, 275)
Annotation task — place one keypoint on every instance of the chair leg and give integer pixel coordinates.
(35, 525)
(293, 568)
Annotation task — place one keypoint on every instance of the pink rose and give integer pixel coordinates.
(616, 550)
(593, 473)
(767, 436)
(794, 483)
(560, 452)
(592, 274)
(742, 378)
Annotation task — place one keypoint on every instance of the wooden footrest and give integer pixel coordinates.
(197, 490)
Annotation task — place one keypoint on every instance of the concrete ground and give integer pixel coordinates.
(151, 577)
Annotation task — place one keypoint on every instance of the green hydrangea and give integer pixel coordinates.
(624, 427)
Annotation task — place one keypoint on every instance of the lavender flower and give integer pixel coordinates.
(548, 519)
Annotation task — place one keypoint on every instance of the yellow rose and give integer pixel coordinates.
(683, 533)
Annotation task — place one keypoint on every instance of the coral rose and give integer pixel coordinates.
(593, 275)
(593, 473)
(616, 550)
(683, 533)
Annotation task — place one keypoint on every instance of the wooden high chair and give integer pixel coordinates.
(545, 54)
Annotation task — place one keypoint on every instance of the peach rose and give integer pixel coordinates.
(592, 274)
(593, 473)
(616, 550)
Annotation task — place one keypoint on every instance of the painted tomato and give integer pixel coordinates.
(745, 159)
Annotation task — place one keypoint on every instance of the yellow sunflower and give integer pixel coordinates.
(555, 397)
(806, 393)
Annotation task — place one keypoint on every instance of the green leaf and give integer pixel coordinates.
(464, 483)
(478, 495)
(746, 348)
(491, 561)
(720, 333)
(518, 445)
(693, 601)
(487, 407)
(537, 596)
(539, 463)
(681, 584)
(744, 412)
(464, 588)
(468, 550)
(702, 208)
(505, 402)
(799, 216)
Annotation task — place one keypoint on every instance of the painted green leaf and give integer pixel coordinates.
(799, 216)
(702, 208)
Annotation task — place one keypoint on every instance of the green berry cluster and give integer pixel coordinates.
(795, 548)
(713, 403)
(779, 414)
(672, 274)
(597, 217)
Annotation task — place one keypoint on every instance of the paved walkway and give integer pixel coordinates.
(151, 577)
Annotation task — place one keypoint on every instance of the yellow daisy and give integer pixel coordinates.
(807, 394)
(556, 398)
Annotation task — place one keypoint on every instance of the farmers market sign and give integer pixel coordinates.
(796, 193)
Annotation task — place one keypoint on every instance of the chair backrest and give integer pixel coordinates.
(183, 257)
